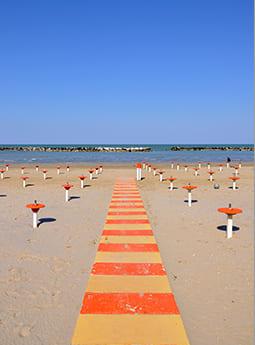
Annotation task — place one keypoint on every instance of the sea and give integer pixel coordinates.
(158, 154)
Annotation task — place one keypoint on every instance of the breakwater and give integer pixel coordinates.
(73, 149)
(211, 148)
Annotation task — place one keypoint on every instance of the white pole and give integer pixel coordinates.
(189, 198)
(34, 220)
(149, 169)
(58, 171)
(101, 170)
(96, 171)
(82, 184)
(143, 165)
(186, 169)
(67, 169)
(24, 183)
(220, 169)
(172, 166)
(44, 176)
(67, 197)
(22, 171)
(239, 165)
(236, 172)
(211, 178)
(138, 174)
(196, 172)
(7, 168)
(90, 176)
(234, 185)
(2, 175)
(208, 166)
(37, 169)
(160, 177)
(171, 186)
(177, 167)
(199, 165)
(227, 165)
(230, 226)
(154, 172)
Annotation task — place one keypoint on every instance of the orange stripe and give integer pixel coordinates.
(127, 233)
(129, 303)
(126, 197)
(127, 213)
(130, 269)
(131, 247)
(125, 201)
(126, 193)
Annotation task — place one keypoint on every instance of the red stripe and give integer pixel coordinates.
(127, 221)
(127, 213)
(130, 247)
(130, 269)
(138, 200)
(127, 233)
(126, 197)
(129, 303)
(126, 206)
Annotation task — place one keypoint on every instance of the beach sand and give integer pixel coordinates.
(44, 272)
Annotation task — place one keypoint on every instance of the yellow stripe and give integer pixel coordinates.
(127, 226)
(139, 257)
(127, 239)
(129, 329)
(111, 283)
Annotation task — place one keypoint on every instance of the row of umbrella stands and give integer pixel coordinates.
(35, 207)
(229, 211)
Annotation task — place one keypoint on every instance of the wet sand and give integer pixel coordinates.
(44, 272)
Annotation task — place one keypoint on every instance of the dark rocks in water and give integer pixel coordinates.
(74, 149)
(211, 148)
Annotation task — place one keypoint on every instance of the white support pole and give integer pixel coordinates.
(90, 176)
(100, 170)
(22, 171)
(189, 198)
(44, 176)
(138, 174)
(36, 169)
(160, 177)
(185, 169)
(230, 226)
(34, 220)
(240, 165)
(211, 178)
(208, 166)
(227, 165)
(234, 185)
(236, 172)
(199, 165)
(196, 173)
(67, 169)
(2, 175)
(143, 165)
(96, 171)
(154, 172)
(220, 169)
(172, 165)
(7, 168)
(171, 186)
(149, 169)
(58, 171)
(82, 184)
(67, 196)
(24, 183)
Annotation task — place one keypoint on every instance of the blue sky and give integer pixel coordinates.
(126, 71)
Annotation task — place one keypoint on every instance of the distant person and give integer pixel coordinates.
(228, 159)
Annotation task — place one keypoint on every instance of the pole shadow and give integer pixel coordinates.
(224, 228)
(231, 187)
(29, 185)
(173, 188)
(3, 195)
(192, 201)
(74, 197)
(46, 220)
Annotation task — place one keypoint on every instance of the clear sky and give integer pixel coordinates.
(126, 71)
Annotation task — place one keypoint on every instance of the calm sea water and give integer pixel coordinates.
(159, 153)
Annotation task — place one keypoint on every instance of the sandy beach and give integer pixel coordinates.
(44, 272)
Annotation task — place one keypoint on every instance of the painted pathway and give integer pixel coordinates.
(128, 298)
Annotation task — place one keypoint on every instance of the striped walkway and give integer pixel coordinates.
(128, 300)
